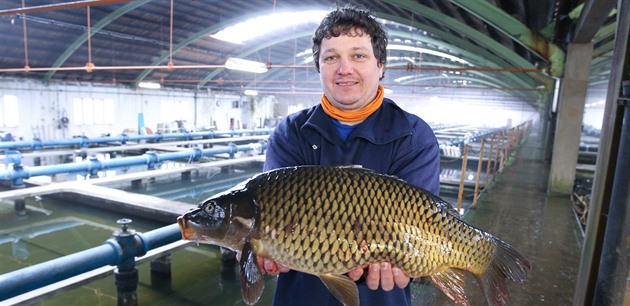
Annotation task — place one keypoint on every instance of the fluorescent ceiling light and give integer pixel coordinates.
(427, 51)
(308, 52)
(308, 56)
(401, 58)
(404, 78)
(245, 65)
(263, 25)
(149, 85)
(388, 91)
(249, 92)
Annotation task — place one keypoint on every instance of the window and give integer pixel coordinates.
(88, 111)
(9, 114)
(78, 111)
(108, 111)
(176, 110)
(98, 116)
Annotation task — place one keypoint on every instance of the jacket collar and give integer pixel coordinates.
(383, 126)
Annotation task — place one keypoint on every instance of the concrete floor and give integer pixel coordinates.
(517, 209)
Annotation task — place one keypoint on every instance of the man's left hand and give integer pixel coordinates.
(381, 274)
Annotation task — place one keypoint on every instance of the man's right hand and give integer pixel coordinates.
(271, 267)
(267, 266)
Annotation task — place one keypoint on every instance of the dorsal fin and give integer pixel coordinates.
(446, 206)
(351, 167)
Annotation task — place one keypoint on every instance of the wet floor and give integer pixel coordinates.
(517, 209)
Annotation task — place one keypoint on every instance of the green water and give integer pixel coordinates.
(198, 277)
(54, 228)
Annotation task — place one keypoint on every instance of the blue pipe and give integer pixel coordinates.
(92, 166)
(37, 144)
(110, 253)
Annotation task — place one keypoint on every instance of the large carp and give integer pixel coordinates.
(328, 220)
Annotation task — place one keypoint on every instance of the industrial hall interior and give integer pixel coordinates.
(161, 152)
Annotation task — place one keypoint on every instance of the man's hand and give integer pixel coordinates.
(381, 274)
(271, 267)
(267, 266)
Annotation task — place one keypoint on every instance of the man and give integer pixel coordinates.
(353, 125)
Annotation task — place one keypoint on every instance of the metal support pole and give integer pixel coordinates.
(227, 256)
(19, 204)
(612, 279)
(506, 145)
(460, 194)
(136, 184)
(490, 152)
(20, 207)
(126, 286)
(161, 272)
(496, 159)
(126, 273)
(605, 179)
(161, 266)
(479, 164)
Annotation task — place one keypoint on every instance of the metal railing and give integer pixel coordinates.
(501, 146)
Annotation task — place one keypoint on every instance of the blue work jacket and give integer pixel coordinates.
(389, 141)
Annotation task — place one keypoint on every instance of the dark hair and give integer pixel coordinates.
(344, 21)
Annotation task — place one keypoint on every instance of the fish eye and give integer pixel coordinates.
(209, 207)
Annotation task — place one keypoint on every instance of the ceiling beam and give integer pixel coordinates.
(201, 34)
(258, 47)
(95, 28)
(490, 59)
(487, 58)
(591, 20)
(484, 41)
(487, 42)
(58, 6)
(518, 31)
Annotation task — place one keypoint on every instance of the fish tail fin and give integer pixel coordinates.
(507, 263)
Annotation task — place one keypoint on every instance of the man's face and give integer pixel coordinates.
(349, 71)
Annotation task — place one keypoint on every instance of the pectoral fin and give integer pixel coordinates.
(451, 282)
(252, 281)
(342, 287)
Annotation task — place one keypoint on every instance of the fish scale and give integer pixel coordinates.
(373, 199)
(327, 221)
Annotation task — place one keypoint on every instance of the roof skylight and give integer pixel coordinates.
(427, 51)
(263, 25)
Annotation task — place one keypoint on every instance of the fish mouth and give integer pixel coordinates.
(188, 232)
